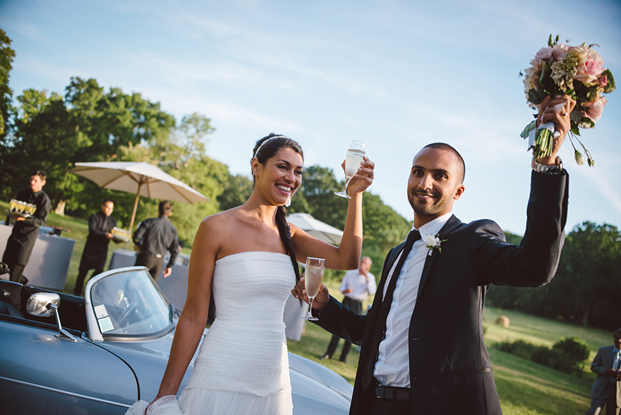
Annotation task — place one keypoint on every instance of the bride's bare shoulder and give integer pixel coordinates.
(220, 222)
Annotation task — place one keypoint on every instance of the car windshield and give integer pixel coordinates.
(128, 304)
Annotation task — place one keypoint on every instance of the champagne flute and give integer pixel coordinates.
(312, 278)
(352, 163)
(13, 207)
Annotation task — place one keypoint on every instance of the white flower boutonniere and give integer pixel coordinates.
(434, 242)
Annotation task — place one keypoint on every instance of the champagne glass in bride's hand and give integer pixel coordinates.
(313, 275)
(352, 164)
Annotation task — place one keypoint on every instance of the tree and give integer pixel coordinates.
(316, 196)
(237, 189)
(6, 94)
(43, 140)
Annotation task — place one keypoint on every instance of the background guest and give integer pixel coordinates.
(100, 225)
(607, 385)
(154, 237)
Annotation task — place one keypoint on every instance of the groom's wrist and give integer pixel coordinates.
(548, 165)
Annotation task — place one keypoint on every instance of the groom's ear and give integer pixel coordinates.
(459, 191)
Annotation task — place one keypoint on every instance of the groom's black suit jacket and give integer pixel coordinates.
(450, 371)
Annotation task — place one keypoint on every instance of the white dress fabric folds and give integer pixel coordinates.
(242, 367)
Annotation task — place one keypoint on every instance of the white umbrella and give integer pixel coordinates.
(316, 228)
(143, 179)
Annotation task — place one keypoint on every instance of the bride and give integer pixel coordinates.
(249, 256)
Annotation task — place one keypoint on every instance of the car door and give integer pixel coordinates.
(43, 374)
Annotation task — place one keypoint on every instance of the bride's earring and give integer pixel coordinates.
(289, 201)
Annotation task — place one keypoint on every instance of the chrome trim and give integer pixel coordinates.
(62, 392)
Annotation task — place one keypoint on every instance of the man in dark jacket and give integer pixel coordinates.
(154, 237)
(422, 346)
(100, 225)
(26, 229)
(606, 389)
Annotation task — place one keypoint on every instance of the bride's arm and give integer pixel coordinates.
(194, 316)
(347, 254)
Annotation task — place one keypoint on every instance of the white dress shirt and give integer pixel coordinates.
(358, 283)
(392, 367)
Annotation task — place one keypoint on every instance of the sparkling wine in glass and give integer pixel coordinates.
(312, 278)
(352, 163)
(13, 205)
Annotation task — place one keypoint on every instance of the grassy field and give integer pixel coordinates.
(525, 388)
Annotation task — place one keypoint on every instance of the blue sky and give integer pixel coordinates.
(394, 74)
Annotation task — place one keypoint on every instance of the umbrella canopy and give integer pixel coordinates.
(316, 228)
(142, 179)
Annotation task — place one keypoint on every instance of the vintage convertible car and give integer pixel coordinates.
(62, 354)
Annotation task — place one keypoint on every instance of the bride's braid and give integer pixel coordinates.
(285, 237)
(264, 149)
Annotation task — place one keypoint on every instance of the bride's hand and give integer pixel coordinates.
(321, 299)
(363, 178)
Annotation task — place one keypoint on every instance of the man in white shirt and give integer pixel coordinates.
(356, 285)
(422, 346)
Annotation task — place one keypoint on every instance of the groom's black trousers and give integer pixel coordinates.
(390, 407)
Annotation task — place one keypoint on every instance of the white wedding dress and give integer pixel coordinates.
(242, 367)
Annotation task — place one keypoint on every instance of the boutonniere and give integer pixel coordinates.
(434, 242)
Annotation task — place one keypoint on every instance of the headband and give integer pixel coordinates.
(259, 149)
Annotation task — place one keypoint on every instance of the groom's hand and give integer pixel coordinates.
(558, 111)
(321, 299)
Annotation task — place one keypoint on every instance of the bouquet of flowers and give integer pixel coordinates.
(576, 71)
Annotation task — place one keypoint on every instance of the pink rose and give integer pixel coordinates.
(594, 56)
(544, 53)
(594, 109)
(603, 81)
(589, 71)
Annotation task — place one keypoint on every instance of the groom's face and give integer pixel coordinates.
(435, 183)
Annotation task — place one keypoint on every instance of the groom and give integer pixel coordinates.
(422, 342)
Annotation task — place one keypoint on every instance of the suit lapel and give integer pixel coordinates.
(448, 227)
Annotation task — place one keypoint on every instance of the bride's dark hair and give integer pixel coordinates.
(266, 148)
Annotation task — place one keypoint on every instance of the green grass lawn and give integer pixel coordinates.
(525, 388)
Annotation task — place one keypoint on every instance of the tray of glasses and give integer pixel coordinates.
(17, 214)
(120, 235)
(21, 209)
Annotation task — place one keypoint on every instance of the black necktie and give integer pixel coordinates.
(380, 328)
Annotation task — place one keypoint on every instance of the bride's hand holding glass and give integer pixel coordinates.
(363, 177)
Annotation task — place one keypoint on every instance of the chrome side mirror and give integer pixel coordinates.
(46, 305)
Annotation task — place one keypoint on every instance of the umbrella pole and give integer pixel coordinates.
(131, 223)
